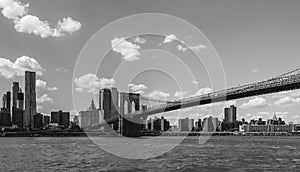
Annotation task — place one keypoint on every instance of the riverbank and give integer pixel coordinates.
(165, 134)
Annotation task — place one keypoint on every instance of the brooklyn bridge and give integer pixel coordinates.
(125, 113)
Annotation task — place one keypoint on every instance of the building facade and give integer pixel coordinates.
(30, 99)
(61, 118)
(210, 124)
(185, 124)
(230, 114)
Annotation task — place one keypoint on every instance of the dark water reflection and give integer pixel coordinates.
(217, 154)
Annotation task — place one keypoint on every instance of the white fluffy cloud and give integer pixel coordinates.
(287, 101)
(257, 102)
(128, 50)
(203, 91)
(44, 99)
(10, 69)
(91, 83)
(40, 84)
(68, 25)
(140, 88)
(25, 23)
(169, 38)
(180, 94)
(195, 82)
(181, 48)
(13, 9)
(140, 40)
(52, 88)
(198, 47)
(157, 94)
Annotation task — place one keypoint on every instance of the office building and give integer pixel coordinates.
(20, 101)
(17, 106)
(61, 118)
(210, 124)
(185, 124)
(5, 119)
(38, 121)
(91, 117)
(230, 114)
(46, 121)
(18, 117)
(6, 101)
(198, 125)
(30, 99)
(15, 92)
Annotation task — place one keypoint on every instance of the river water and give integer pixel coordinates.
(275, 153)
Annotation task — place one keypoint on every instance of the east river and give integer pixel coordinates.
(224, 153)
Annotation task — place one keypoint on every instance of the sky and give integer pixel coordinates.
(198, 46)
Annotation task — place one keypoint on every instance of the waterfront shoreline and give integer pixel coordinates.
(171, 134)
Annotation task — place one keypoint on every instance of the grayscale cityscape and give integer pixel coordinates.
(149, 86)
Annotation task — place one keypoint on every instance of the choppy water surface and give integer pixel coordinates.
(217, 154)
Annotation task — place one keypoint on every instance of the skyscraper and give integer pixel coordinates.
(15, 91)
(20, 102)
(185, 124)
(30, 99)
(210, 124)
(230, 114)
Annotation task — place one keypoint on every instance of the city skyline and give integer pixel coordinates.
(108, 107)
(254, 52)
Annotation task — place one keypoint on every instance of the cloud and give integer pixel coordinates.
(91, 83)
(139, 40)
(26, 23)
(137, 88)
(13, 9)
(198, 47)
(10, 69)
(68, 25)
(257, 102)
(44, 99)
(52, 88)
(157, 94)
(61, 69)
(128, 50)
(40, 84)
(195, 82)
(169, 38)
(286, 98)
(255, 70)
(181, 48)
(180, 94)
(203, 91)
(287, 101)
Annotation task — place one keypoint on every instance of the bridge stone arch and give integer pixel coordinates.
(129, 126)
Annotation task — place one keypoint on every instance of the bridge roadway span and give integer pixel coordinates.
(273, 85)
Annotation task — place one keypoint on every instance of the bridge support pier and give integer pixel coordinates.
(129, 126)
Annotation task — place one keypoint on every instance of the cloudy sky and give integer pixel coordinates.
(247, 41)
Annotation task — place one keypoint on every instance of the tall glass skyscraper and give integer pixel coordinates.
(30, 99)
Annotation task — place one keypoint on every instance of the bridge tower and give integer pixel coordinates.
(108, 102)
(129, 126)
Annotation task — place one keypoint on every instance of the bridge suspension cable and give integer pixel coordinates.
(289, 73)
